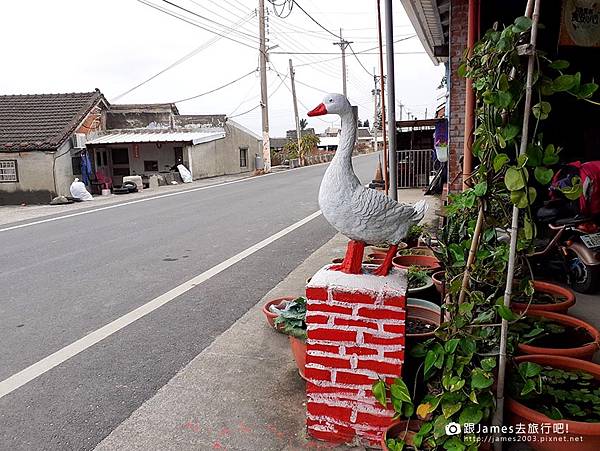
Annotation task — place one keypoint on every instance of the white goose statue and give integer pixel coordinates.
(364, 215)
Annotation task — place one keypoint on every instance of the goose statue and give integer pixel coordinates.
(364, 215)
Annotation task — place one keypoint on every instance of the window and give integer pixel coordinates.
(150, 165)
(120, 156)
(8, 171)
(243, 157)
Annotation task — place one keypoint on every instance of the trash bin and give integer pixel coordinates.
(258, 162)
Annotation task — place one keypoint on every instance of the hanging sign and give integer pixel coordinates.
(580, 23)
(136, 151)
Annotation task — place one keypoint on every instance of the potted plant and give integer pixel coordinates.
(547, 296)
(418, 250)
(418, 281)
(272, 309)
(291, 321)
(426, 262)
(551, 333)
(552, 390)
(383, 248)
(439, 280)
(414, 233)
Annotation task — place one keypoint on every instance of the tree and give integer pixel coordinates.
(307, 143)
(303, 123)
(366, 123)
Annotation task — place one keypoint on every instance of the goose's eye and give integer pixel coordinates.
(330, 100)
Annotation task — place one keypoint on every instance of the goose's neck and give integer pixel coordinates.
(343, 155)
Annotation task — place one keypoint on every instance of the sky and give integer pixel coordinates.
(114, 45)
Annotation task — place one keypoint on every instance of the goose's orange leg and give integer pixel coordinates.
(352, 263)
(385, 267)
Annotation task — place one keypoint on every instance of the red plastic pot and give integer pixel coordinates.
(396, 430)
(439, 278)
(549, 288)
(518, 413)
(298, 347)
(426, 261)
(276, 302)
(584, 352)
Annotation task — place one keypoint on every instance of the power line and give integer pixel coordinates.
(359, 61)
(259, 105)
(217, 89)
(181, 60)
(219, 5)
(333, 53)
(315, 20)
(172, 14)
(206, 18)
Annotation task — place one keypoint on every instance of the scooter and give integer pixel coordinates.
(571, 248)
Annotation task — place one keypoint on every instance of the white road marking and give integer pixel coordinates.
(146, 199)
(37, 369)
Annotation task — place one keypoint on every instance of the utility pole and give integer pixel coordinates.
(263, 87)
(343, 45)
(389, 38)
(295, 106)
(401, 107)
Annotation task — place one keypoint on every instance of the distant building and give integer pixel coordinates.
(291, 134)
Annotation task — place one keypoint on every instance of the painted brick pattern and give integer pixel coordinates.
(362, 339)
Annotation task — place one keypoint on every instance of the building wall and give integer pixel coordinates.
(459, 11)
(35, 185)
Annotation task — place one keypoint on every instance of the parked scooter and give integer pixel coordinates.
(571, 248)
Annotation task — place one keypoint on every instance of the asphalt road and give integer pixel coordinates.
(62, 280)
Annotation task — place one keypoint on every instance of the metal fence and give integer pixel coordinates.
(415, 167)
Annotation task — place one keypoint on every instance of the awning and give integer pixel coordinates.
(430, 19)
(156, 136)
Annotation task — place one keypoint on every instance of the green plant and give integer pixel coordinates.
(558, 394)
(307, 143)
(293, 318)
(414, 232)
(417, 277)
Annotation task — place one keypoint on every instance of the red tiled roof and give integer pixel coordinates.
(42, 121)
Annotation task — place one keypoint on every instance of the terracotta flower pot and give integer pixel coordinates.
(376, 258)
(384, 249)
(585, 351)
(549, 288)
(398, 429)
(425, 310)
(299, 351)
(420, 250)
(419, 290)
(276, 302)
(518, 413)
(439, 278)
(425, 261)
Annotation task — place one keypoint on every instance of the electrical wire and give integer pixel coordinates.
(191, 22)
(219, 5)
(181, 60)
(260, 104)
(315, 20)
(218, 88)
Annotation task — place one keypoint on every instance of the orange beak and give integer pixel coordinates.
(318, 111)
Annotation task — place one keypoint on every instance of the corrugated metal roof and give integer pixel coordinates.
(156, 136)
(326, 141)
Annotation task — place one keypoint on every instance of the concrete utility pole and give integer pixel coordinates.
(263, 86)
(295, 105)
(343, 45)
(389, 38)
(401, 107)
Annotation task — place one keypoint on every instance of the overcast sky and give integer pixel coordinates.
(79, 45)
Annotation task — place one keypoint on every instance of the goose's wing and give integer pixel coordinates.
(378, 210)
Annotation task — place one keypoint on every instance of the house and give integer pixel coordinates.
(364, 138)
(446, 28)
(41, 136)
(44, 136)
(151, 140)
(291, 134)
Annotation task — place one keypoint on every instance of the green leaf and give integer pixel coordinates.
(462, 70)
(489, 97)
(520, 198)
(471, 414)
(529, 369)
(439, 426)
(510, 131)
(564, 83)
(488, 363)
(587, 90)
(500, 161)
(395, 444)
(543, 175)
(473, 397)
(542, 110)
(529, 228)
(534, 155)
(451, 345)
(513, 179)
(503, 83)
(504, 99)
(449, 408)
(522, 160)
(550, 155)
(559, 64)
(528, 387)
(400, 391)
(467, 346)
(506, 313)
(481, 380)
(378, 389)
(522, 24)
(480, 189)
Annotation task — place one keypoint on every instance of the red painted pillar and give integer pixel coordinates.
(355, 334)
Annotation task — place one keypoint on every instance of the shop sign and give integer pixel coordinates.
(580, 23)
(136, 151)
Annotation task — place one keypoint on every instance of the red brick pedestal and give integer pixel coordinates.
(355, 335)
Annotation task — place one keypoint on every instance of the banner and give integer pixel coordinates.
(580, 23)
